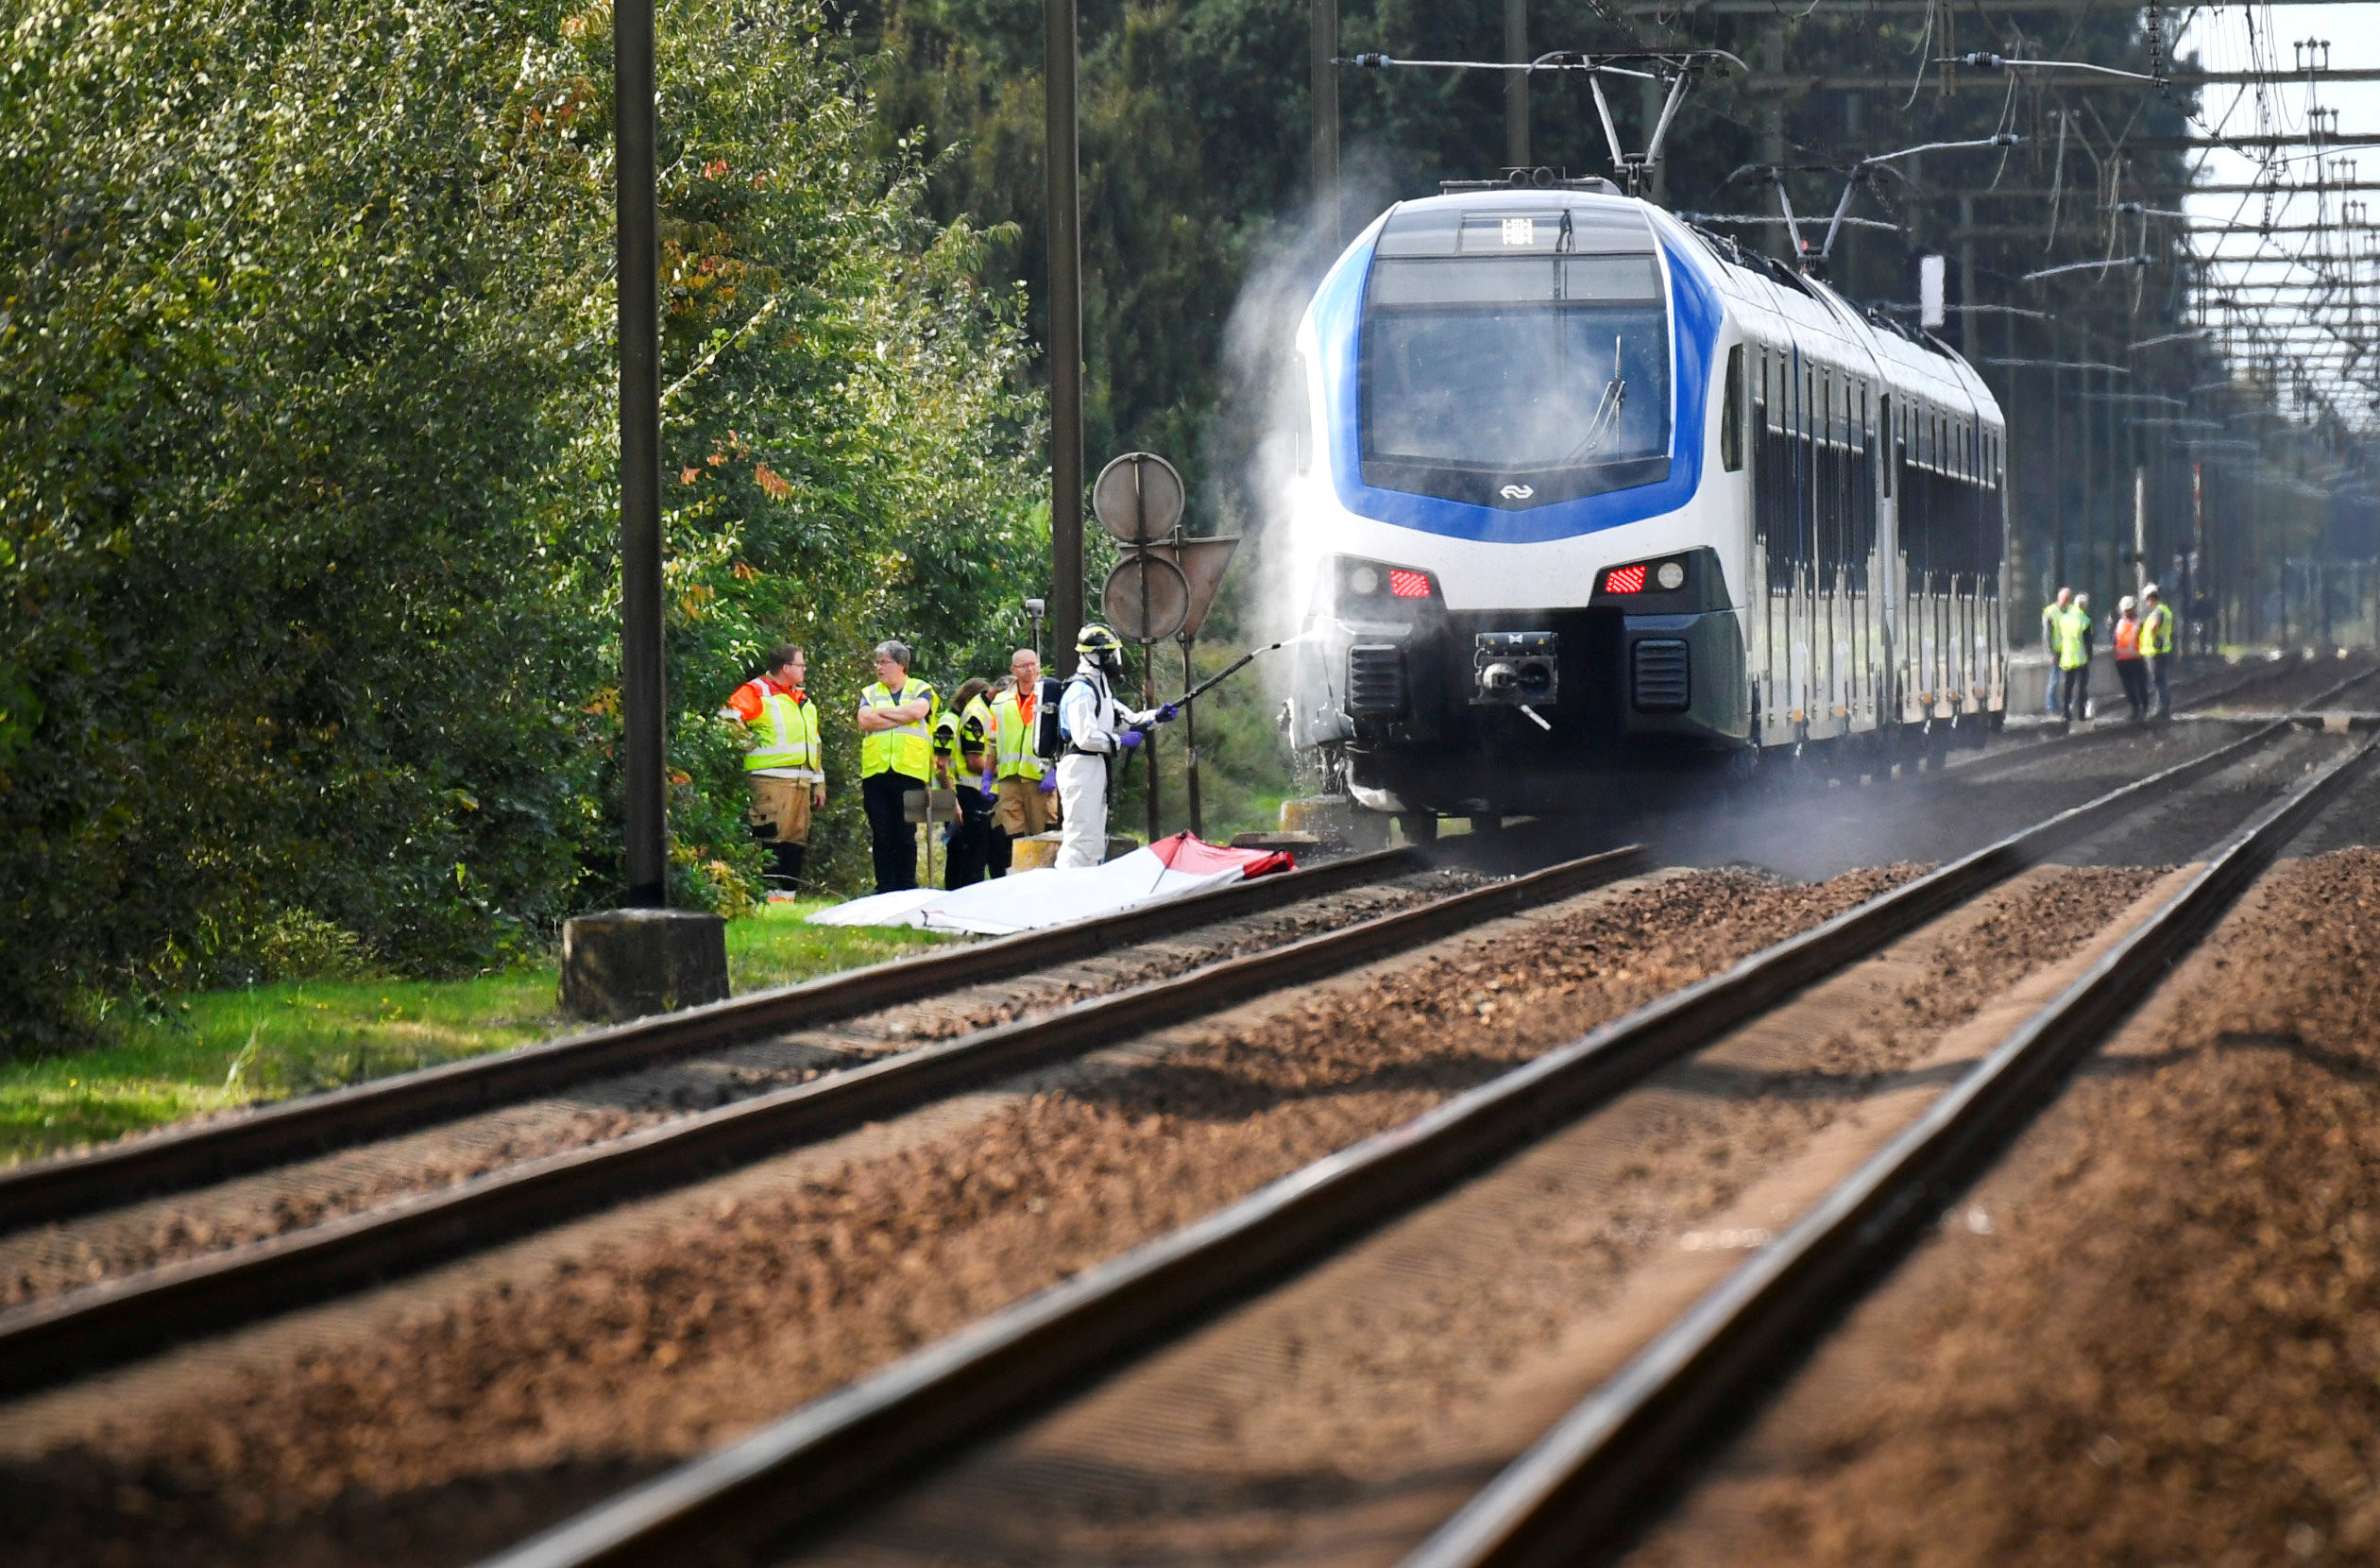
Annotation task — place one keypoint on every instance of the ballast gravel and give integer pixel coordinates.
(2152, 1336)
(1337, 1419)
(61, 1257)
(480, 1420)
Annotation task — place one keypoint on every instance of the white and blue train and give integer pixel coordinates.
(1583, 493)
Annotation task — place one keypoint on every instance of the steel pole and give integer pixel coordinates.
(642, 684)
(1060, 157)
(1516, 20)
(1148, 745)
(1190, 746)
(1323, 40)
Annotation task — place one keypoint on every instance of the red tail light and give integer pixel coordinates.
(1625, 579)
(1416, 584)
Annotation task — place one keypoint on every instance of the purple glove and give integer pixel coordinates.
(1165, 715)
(1128, 740)
(990, 786)
(1048, 780)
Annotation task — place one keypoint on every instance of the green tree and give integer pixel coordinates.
(308, 595)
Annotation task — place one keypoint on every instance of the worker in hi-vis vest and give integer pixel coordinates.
(962, 737)
(897, 755)
(2074, 659)
(1097, 729)
(2049, 613)
(1024, 789)
(783, 761)
(2157, 646)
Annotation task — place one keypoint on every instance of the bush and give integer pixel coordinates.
(308, 586)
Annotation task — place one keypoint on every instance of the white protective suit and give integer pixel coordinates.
(1091, 718)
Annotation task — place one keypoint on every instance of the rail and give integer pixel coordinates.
(62, 1337)
(821, 1458)
(1596, 1474)
(209, 1151)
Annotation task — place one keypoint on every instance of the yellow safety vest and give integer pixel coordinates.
(905, 749)
(2073, 627)
(969, 732)
(786, 737)
(2156, 631)
(1013, 740)
(958, 733)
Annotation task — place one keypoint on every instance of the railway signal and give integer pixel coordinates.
(1162, 590)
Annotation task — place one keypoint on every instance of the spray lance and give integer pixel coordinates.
(1166, 712)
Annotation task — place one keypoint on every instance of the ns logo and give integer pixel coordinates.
(1518, 492)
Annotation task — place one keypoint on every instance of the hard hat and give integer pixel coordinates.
(2125, 602)
(2082, 598)
(2149, 592)
(1095, 639)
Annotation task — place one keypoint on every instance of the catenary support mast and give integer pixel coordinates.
(642, 693)
(1060, 159)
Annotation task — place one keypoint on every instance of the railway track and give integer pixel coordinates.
(198, 1154)
(59, 1338)
(792, 1483)
(1603, 1470)
(2209, 692)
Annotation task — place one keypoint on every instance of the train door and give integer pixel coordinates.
(1970, 687)
(1892, 617)
(1780, 656)
(1991, 569)
(1924, 635)
(1859, 498)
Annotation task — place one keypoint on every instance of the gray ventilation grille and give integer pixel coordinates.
(1661, 681)
(1375, 678)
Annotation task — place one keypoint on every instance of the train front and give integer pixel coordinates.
(1508, 551)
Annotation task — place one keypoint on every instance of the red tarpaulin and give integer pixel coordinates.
(1183, 852)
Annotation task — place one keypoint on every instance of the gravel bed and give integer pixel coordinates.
(1812, 833)
(74, 1253)
(2306, 680)
(2152, 1336)
(1355, 1406)
(480, 1418)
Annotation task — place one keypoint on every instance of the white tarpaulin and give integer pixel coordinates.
(1029, 900)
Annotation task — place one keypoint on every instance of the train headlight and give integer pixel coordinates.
(1382, 585)
(1657, 576)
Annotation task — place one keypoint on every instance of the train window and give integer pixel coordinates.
(1470, 281)
(1884, 423)
(1731, 413)
(1473, 373)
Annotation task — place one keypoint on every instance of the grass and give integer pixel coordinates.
(221, 1049)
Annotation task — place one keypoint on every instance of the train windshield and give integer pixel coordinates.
(1516, 380)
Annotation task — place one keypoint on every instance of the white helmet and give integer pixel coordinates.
(2125, 602)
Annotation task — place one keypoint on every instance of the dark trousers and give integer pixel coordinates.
(2074, 691)
(967, 850)
(889, 830)
(2134, 673)
(999, 851)
(786, 862)
(2160, 673)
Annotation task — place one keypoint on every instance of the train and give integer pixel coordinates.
(1586, 497)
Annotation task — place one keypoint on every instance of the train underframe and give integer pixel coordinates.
(1492, 713)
